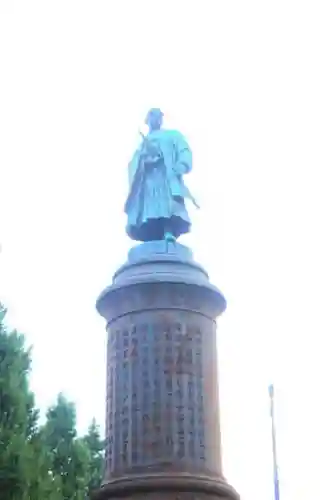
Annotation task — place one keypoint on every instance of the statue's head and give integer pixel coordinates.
(154, 119)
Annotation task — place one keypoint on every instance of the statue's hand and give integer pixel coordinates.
(152, 159)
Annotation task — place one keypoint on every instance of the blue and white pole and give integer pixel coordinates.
(273, 434)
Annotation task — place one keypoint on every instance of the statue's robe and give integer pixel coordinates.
(155, 203)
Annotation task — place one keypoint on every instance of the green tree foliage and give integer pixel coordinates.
(43, 485)
(69, 455)
(95, 447)
(18, 417)
(48, 462)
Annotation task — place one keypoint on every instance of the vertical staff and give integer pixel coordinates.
(273, 434)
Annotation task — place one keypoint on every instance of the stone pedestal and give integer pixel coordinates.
(162, 415)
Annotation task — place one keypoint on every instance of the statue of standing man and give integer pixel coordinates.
(156, 202)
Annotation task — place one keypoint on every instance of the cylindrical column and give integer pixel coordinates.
(162, 418)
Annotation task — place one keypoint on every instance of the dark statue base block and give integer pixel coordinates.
(162, 415)
(167, 487)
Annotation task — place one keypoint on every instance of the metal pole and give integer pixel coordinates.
(273, 434)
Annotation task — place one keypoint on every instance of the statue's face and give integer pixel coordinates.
(154, 120)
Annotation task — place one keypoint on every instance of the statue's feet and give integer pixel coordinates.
(169, 238)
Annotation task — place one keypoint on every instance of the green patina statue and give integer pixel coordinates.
(156, 202)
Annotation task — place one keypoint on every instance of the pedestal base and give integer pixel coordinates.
(162, 419)
(167, 487)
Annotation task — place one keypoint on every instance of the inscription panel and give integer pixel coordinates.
(155, 385)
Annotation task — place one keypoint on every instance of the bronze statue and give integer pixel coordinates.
(156, 202)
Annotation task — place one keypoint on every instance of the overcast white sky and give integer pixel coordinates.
(251, 84)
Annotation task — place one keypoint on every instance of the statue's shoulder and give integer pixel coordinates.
(162, 134)
(174, 132)
(167, 136)
(174, 135)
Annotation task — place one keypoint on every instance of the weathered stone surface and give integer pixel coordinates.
(160, 401)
